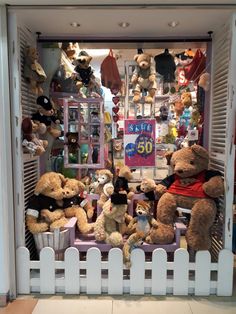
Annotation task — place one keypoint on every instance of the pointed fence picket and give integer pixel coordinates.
(93, 275)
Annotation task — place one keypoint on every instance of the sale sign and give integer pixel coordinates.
(140, 142)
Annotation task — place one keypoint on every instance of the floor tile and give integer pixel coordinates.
(151, 307)
(19, 307)
(209, 307)
(73, 307)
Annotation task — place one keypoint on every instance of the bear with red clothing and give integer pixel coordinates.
(191, 186)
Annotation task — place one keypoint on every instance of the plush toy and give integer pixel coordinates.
(31, 142)
(46, 115)
(148, 187)
(33, 72)
(141, 224)
(103, 186)
(164, 112)
(72, 142)
(76, 204)
(191, 186)
(111, 224)
(144, 78)
(178, 108)
(186, 99)
(134, 241)
(45, 208)
(84, 73)
(204, 81)
(121, 183)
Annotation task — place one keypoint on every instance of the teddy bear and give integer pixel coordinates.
(144, 78)
(191, 186)
(72, 142)
(121, 183)
(111, 224)
(148, 187)
(33, 71)
(186, 99)
(77, 205)
(84, 74)
(140, 227)
(31, 142)
(45, 207)
(103, 185)
(204, 81)
(46, 115)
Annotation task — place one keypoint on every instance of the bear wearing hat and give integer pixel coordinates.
(84, 73)
(46, 115)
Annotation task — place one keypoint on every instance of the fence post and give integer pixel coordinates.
(181, 270)
(115, 271)
(203, 273)
(23, 270)
(225, 273)
(159, 272)
(72, 271)
(137, 272)
(94, 277)
(47, 271)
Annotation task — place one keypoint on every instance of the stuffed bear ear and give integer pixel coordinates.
(136, 57)
(41, 185)
(200, 151)
(81, 186)
(168, 156)
(63, 179)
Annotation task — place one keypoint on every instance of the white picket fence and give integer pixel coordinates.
(95, 276)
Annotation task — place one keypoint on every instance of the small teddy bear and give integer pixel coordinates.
(144, 78)
(103, 185)
(186, 99)
(45, 207)
(31, 142)
(148, 187)
(46, 115)
(33, 71)
(76, 204)
(111, 224)
(141, 226)
(72, 142)
(191, 186)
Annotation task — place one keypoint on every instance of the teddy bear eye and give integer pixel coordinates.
(191, 162)
(52, 189)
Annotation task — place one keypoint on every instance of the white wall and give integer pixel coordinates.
(7, 260)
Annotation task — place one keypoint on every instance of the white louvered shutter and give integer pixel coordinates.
(26, 167)
(222, 127)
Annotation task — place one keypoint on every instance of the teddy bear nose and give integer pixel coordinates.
(180, 171)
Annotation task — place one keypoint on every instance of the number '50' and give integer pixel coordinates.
(144, 148)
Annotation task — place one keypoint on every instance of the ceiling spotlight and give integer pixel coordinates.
(124, 24)
(75, 24)
(173, 23)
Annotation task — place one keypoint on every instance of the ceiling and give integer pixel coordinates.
(103, 22)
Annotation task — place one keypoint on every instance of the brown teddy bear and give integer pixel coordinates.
(121, 185)
(204, 81)
(31, 141)
(72, 142)
(111, 224)
(191, 186)
(103, 186)
(140, 227)
(76, 204)
(144, 78)
(45, 208)
(33, 72)
(186, 99)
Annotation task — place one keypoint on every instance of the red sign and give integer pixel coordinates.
(140, 142)
(182, 81)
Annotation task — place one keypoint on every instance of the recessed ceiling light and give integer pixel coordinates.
(124, 24)
(75, 24)
(173, 23)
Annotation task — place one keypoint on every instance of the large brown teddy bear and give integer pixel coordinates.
(112, 223)
(76, 204)
(45, 208)
(191, 186)
(33, 72)
(144, 78)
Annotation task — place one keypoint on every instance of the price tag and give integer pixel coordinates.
(192, 135)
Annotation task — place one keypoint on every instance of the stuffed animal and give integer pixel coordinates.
(141, 225)
(112, 223)
(144, 78)
(186, 99)
(31, 142)
(76, 204)
(84, 73)
(191, 186)
(45, 207)
(72, 142)
(103, 186)
(33, 72)
(133, 242)
(46, 115)
(148, 187)
(121, 183)
(204, 81)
